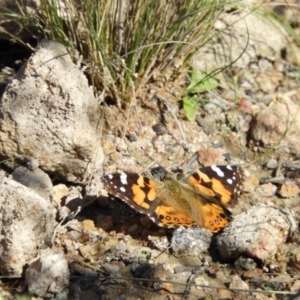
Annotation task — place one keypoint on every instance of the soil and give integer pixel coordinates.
(125, 253)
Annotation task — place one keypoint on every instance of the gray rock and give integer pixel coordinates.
(191, 241)
(48, 112)
(27, 223)
(278, 124)
(36, 180)
(256, 233)
(248, 42)
(48, 274)
(272, 163)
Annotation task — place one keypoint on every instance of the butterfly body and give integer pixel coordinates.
(197, 199)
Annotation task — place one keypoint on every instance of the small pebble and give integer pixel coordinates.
(88, 224)
(105, 223)
(272, 163)
(245, 263)
(210, 108)
(267, 189)
(208, 123)
(131, 137)
(159, 129)
(146, 222)
(289, 189)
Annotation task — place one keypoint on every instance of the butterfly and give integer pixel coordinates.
(200, 198)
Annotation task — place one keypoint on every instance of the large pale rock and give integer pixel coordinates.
(239, 39)
(49, 113)
(257, 233)
(48, 274)
(278, 125)
(27, 223)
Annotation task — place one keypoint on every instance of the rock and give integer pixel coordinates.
(278, 124)
(74, 199)
(190, 241)
(239, 120)
(239, 284)
(202, 282)
(272, 163)
(49, 113)
(268, 80)
(75, 235)
(296, 287)
(247, 44)
(27, 223)
(208, 123)
(48, 274)
(294, 262)
(88, 225)
(64, 213)
(159, 242)
(211, 108)
(289, 189)
(60, 191)
(106, 223)
(256, 233)
(89, 250)
(266, 189)
(146, 222)
(159, 128)
(36, 180)
(224, 294)
(210, 156)
(244, 264)
(133, 229)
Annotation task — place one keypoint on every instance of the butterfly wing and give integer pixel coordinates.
(147, 196)
(198, 198)
(217, 184)
(209, 191)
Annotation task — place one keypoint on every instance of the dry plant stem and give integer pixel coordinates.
(121, 24)
(291, 165)
(191, 280)
(133, 100)
(278, 171)
(60, 226)
(279, 180)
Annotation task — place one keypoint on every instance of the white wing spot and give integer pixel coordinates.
(110, 176)
(123, 178)
(122, 189)
(218, 171)
(229, 181)
(229, 168)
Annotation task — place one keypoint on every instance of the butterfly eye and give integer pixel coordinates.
(159, 173)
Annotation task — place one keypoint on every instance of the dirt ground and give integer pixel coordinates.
(126, 255)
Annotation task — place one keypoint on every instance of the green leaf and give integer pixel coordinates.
(201, 82)
(190, 106)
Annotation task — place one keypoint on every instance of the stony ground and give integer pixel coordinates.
(118, 243)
